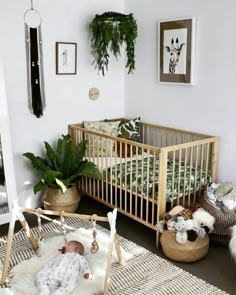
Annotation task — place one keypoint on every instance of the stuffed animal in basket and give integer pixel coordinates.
(203, 222)
(189, 230)
(182, 227)
(169, 219)
(187, 224)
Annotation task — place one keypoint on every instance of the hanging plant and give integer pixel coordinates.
(112, 29)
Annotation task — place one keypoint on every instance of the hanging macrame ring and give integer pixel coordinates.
(32, 18)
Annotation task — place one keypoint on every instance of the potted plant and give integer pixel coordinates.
(61, 169)
(113, 29)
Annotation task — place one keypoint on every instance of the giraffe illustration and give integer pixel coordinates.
(174, 52)
(65, 57)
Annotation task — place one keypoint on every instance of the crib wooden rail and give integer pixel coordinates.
(144, 180)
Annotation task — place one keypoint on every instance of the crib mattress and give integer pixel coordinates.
(141, 175)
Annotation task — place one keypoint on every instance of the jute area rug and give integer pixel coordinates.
(142, 272)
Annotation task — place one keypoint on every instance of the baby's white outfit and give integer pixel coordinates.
(59, 275)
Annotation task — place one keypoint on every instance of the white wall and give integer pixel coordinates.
(66, 96)
(207, 107)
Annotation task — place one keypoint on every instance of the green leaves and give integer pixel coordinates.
(78, 155)
(63, 165)
(112, 28)
(37, 162)
(39, 186)
(64, 155)
(86, 169)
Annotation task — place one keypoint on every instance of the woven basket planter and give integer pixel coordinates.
(55, 200)
(188, 252)
(223, 221)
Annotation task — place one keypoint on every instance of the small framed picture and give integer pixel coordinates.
(176, 49)
(66, 58)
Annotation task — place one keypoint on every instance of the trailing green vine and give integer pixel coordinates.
(113, 29)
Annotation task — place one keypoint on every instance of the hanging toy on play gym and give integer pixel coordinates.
(94, 245)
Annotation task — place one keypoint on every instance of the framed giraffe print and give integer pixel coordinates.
(176, 49)
(66, 58)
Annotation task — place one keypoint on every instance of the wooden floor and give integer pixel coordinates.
(217, 267)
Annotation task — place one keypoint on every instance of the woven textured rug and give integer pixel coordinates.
(144, 273)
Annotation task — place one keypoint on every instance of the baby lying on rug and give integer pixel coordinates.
(59, 275)
(24, 273)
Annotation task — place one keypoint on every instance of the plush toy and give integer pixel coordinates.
(187, 229)
(192, 235)
(167, 223)
(186, 213)
(169, 219)
(203, 222)
(197, 227)
(182, 227)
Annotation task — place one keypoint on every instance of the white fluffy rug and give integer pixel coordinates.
(23, 282)
(143, 272)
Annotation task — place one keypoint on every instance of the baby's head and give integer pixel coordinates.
(74, 246)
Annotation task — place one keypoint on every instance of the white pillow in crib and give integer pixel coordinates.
(98, 146)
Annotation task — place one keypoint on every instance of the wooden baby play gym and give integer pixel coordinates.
(38, 242)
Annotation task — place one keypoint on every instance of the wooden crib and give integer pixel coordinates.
(144, 180)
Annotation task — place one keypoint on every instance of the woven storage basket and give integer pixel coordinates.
(55, 200)
(187, 252)
(223, 221)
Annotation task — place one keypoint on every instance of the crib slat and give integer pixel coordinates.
(162, 184)
(195, 176)
(179, 177)
(201, 163)
(214, 159)
(111, 188)
(142, 176)
(185, 171)
(136, 184)
(190, 173)
(116, 178)
(131, 182)
(147, 185)
(172, 180)
(153, 190)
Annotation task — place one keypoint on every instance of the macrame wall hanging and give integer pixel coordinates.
(34, 56)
